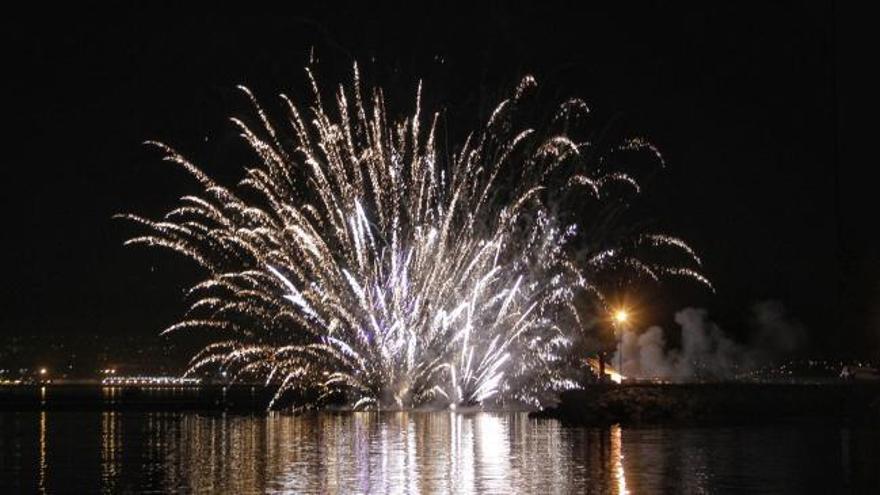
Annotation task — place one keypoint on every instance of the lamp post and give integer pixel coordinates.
(621, 316)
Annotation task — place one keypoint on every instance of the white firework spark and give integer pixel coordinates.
(354, 264)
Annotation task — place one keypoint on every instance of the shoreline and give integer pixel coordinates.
(597, 405)
(717, 403)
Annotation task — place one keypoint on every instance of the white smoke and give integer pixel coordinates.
(706, 352)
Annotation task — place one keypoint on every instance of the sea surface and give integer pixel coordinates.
(420, 452)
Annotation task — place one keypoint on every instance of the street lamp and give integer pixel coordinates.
(621, 317)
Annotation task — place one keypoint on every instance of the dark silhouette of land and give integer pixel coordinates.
(718, 403)
(704, 403)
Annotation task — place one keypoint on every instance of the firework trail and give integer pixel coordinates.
(355, 263)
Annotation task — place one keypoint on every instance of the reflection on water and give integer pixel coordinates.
(364, 452)
(444, 452)
(42, 480)
(617, 459)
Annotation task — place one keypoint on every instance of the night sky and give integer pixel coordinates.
(742, 100)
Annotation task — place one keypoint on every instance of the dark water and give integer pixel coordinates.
(123, 452)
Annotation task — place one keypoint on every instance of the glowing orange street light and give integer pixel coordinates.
(43, 371)
(620, 317)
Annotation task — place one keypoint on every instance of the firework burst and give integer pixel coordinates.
(357, 263)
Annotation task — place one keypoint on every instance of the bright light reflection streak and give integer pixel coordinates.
(463, 465)
(353, 453)
(44, 461)
(617, 459)
(411, 461)
(493, 448)
(109, 450)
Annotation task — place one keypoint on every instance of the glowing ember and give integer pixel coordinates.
(610, 372)
(358, 261)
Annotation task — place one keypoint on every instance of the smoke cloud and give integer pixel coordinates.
(705, 351)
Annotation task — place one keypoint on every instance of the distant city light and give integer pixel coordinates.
(150, 380)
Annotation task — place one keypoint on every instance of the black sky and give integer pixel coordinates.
(742, 99)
